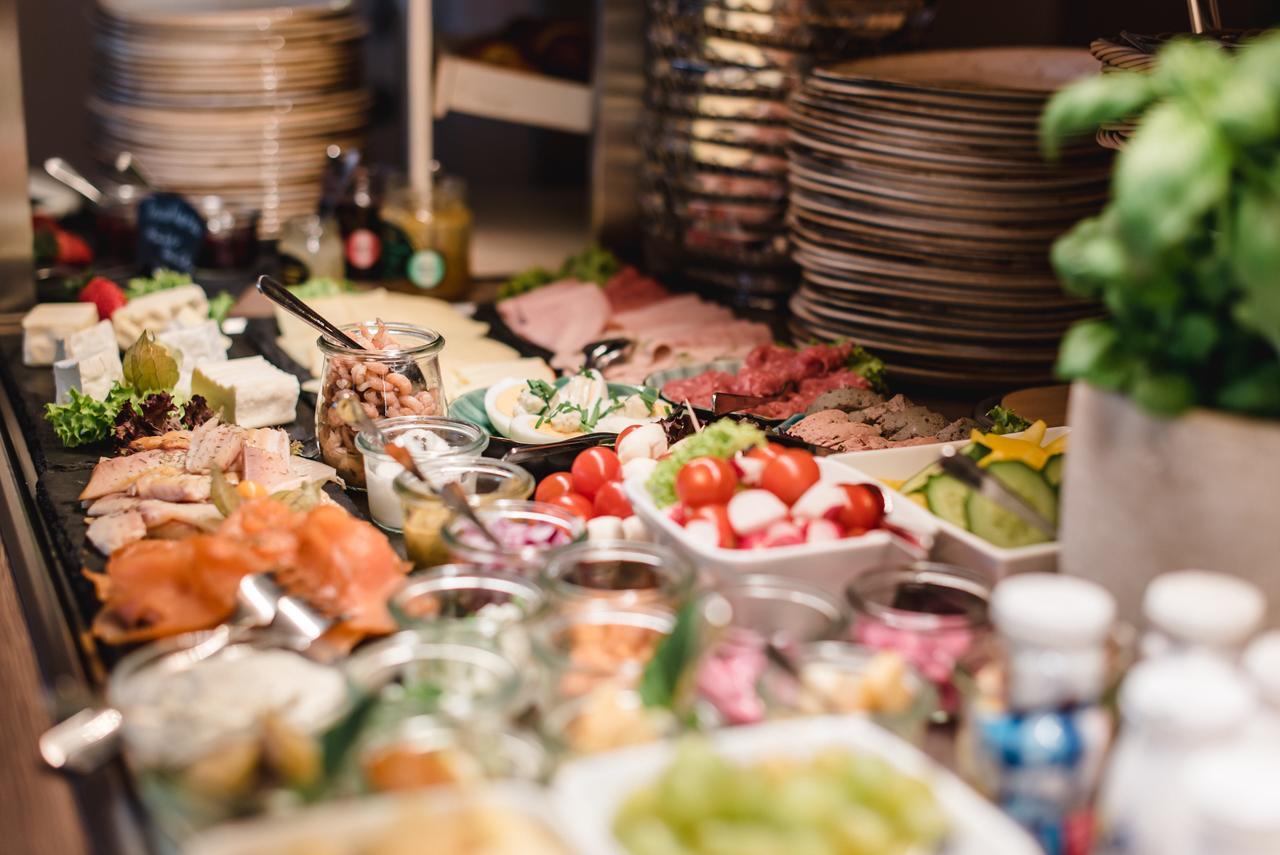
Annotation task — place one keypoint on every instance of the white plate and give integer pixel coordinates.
(829, 565)
(587, 793)
(954, 543)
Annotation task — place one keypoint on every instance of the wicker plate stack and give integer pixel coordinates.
(1134, 52)
(922, 212)
(237, 98)
(714, 134)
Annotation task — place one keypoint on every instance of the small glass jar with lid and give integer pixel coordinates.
(484, 480)
(426, 438)
(617, 573)
(531, 532)
(426, 245)
(396, 372)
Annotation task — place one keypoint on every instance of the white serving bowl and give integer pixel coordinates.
(955, 545)
(828, 565)
(588, 793)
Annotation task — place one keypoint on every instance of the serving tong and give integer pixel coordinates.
(279, 294)
(90, 737)
(964, 469)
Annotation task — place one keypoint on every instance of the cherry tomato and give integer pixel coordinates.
(706, 481)
(555, 484)
(789, 474)
(718, 515)
(594, 468)
(574, 503)
(766, 452)
(611, 501)
(864, 509)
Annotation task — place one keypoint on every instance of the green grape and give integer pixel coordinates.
(861, 831)
(649, 836)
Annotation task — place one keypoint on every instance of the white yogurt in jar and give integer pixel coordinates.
(381, 470)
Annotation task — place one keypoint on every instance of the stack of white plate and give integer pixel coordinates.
(238, 98)
(922, 212)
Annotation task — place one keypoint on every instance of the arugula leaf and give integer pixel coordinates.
(868, 366)
(1005, 420)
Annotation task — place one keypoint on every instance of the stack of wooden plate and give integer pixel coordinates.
(714, 133)
(922, 212)
(238, 98)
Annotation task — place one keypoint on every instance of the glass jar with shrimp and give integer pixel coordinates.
(396, 372)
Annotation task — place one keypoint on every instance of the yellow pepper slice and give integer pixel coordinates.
(1035, 433)
(1058, 446)
(1008, 448)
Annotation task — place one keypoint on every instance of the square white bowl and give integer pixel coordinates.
(588, 793)
(828, 565)
(955, 545)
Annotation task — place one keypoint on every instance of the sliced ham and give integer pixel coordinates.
(116, 474)
(266, 457)
(171, 484)
(214, 445)
(561, 317)
(156, 513)
(116, 503)
(684, 309)
(109, 533)
(631, 289)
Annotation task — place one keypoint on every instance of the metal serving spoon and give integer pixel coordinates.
(599, 355)
(278, 294)
(64, 173)
(349, 410)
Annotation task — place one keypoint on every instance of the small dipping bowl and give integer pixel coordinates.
(584, 649)
(933, 614)
(415, 673)
(531, 531)
(425, 514)
(231, 234)
(425, 751)
(618, 573)
(380, 469)
(741, 618)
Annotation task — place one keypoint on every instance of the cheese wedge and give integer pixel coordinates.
(250, 392)
(49, 323)
(185, 306)
(201, 344)
(91, 374)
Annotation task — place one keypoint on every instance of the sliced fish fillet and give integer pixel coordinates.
(115, 474)
(109, 533)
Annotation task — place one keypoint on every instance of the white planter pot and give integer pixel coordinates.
(1144, 495)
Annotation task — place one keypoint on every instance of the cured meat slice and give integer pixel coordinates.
(109, 533)
(171, 484)
(116, 474)
(214, 445)
(561, 317)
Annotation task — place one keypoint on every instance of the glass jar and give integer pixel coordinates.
(310, 248)
(933, 614)
(456, 439)
(414, 673)
(617, 573)
(604, 719)
(426, 240)
(425, 751)
(532, 531)
(585, 649)
(458, 602)
(397, 373)
(742, 621)
(483, 479)
(839, 678)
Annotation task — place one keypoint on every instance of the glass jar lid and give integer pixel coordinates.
(415, 342)
(479, 476)
(463, 438)
(619, 571)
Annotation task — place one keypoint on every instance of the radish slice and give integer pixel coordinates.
(703, 533)
(638, 469)
(750, 470)
(605, 528)
(753, 541)
(633, 528)
(821, 501)
(647, 442)
(823, 531)
(755, 510)
(783, 533)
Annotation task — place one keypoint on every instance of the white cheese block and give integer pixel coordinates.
(185, 305)
(47, 324)
(91, 374)
(201, 344)
(250, 392)
(462, 377)
(97, 338)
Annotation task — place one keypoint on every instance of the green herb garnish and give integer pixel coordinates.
(1005, 420)
(161, 279)
(592, 264)
(671, 658)
(867, 366)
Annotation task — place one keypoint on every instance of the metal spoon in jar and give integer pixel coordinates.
(278, 294)
(455, 499)
(350, 411)
(65, 173)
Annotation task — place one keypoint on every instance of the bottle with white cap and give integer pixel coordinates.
(1175, 710)
(1037, 736)
(1261, 662)
(1201, 610)
(1234, 799)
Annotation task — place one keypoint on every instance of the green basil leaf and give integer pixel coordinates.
(1194, 70)
(1089, 102)
(1164, 394)
(1256, 258)
(1085, 346)
(1256, 393)
(673, 656)
(1090, 256)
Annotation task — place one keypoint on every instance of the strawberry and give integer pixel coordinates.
(105, 294)
(72, 249)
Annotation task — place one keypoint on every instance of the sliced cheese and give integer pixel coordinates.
(49, 323)
(201, 344)
(90, 375)
(250, 392)
(185, 305)
(460, 378)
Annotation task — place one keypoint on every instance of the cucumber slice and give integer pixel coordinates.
(946, 497)
(997, 526)
(1029, 484)
(1053, 470)
(916, 482)
(976, 451)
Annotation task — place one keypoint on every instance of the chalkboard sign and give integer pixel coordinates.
(170, 233)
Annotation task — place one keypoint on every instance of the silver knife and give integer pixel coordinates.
(964, 469)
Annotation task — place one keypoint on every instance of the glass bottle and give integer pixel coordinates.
(427, 241)
(1034, 733)
(361, 225)
(310, 248)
